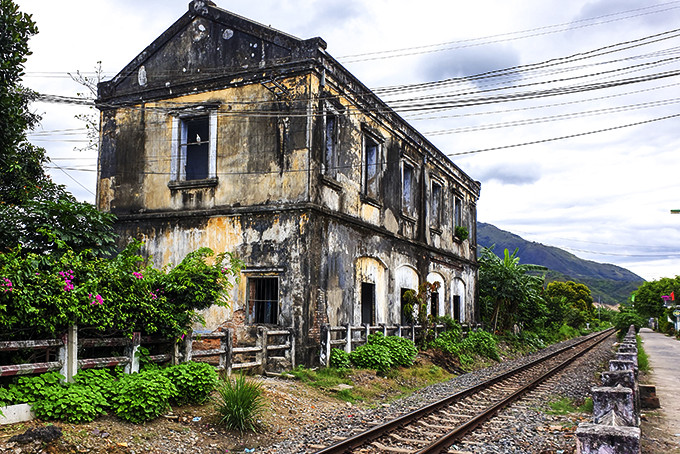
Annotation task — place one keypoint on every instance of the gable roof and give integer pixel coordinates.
(206, 43)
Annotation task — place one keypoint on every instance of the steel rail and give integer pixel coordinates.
(346, 445)
(447, 440)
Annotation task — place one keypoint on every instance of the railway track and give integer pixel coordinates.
(435, 427)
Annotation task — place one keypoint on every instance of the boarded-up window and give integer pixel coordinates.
(458, 211)
(263, 299)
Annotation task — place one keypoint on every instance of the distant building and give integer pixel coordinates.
(229, 134)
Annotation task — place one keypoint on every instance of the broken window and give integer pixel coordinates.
(263, 299)
(408, 194)
(367, 303)
(331, 146)
(371, 168)
(435, 204)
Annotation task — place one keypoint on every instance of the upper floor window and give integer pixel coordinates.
(372, 167)
(436, 204)
(194, 146)
(458, 211)
(331, 161)
(408, 190)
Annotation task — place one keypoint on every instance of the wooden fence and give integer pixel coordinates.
(348, 337)
(272, 347)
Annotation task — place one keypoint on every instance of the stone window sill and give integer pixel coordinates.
(192, 184)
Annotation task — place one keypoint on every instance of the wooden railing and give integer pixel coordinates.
(62, 354)
(348, 337)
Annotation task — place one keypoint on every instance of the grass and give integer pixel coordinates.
(564, 406)
(367, 385)
(643, 359)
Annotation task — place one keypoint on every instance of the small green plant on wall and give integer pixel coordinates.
(461, 233)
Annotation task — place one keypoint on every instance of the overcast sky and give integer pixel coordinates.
(604, 196)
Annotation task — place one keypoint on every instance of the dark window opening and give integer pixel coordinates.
(367, 303)
(195, 143)
(435, 205)
(456, 308)
(263, 296)
(434, 304)
(371, 168)
(458, 211)
(404, 319)
(330, 146)
(408, 190)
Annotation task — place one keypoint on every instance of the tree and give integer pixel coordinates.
(648, 301)
(575, 301)
(508, 293)
(21, 171)
(36, 213)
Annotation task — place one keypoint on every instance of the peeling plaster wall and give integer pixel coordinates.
(270, 197)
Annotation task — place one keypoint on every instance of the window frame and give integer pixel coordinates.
(410, 210)
(330, 158)
(179, 146)
(369, 193)
(252, 317)
(436, 216)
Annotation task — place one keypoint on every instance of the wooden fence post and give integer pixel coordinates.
(229, 350)
(262, 340)
(131, 352)
(188, 346)
(325, 350)
(70, 367)
(292, 346)
(224, 347)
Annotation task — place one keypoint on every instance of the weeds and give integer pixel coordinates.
(240, 402)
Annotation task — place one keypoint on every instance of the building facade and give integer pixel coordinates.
(229, 134)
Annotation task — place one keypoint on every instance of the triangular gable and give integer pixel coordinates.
(205, 43)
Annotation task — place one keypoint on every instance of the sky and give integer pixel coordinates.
(567, 112)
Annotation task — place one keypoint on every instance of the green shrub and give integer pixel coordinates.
(194, 381)
(99, 380)
(372, 356)
(142, 397)
(34, 388)
(339, 359)
(239, 403)
(74, 404)
(482, 343)
(402, 351)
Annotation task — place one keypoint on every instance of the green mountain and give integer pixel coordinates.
(608, 283)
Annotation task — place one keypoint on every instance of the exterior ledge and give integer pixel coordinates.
(331, 182)
(175, 185)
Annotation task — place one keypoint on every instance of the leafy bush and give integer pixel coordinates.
(372, 356)
(142, 397)
(194, 381)
(31, 389)
(99, 380)
(482, 343)
(479, 342)
(47, 293)
(74, 404)
(339, 359)
(402, 351)
(239, 403)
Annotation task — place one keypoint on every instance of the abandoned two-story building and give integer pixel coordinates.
(229, 134)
